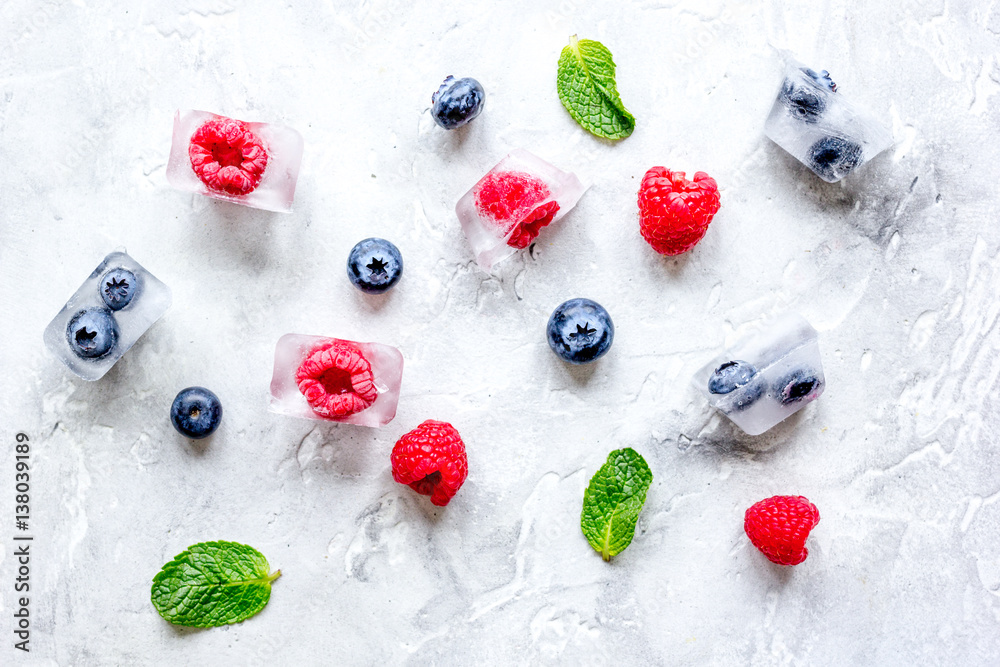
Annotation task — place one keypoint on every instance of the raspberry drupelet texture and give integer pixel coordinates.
(779, 526)
(336, 380)
(431, 460)
(674, 212)
(511, 199)
(227, 156)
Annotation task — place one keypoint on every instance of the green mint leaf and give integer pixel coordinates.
(613, 500)
(586, 83)
(212, 584)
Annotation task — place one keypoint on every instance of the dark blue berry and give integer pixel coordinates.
(196, 412)
(374, 265)
(802, 101)
(118, 286)
(457, 102)
(580, 331)
(796, 386)
(834, 157)
(740, 381)
(92, 333)
(822, 79)
(730, 376)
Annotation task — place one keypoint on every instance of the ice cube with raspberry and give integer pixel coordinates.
(254, 164)
(113, 307)
(509, 206)
(330, 379)
(820, 127)
(766, 377)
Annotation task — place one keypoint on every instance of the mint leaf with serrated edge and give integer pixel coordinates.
(586, 83)
(213, 583)
(613, 500)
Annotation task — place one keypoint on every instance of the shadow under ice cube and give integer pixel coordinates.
(767, 377)
(330, 379)
(508, 207)
(253, 164)
(820, 127)
(113, 307)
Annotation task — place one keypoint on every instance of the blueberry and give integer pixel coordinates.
(741, 380)
(118, 286)
(457, 102)
(196, 412)
(797, 386)
(802, 101)
(822, 79)
(374, 265)
(834, 157)
(92, 333)
(580, 331)
(730, 376)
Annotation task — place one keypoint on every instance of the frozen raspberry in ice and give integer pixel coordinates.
(509, 198)
(508, 207)
(227, 156)
(337, 380)
(254, 164)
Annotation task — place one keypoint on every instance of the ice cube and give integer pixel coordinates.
(820, 127)
(106, 316)
(254, 164)
(330, 379)
(767, 377)
(507, 208)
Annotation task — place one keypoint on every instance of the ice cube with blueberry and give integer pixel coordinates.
(330, 379)
(766, 377)
(113, 307)
(509, 206)
(820, 127)
(254, 164)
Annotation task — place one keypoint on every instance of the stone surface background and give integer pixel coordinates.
(898, 267)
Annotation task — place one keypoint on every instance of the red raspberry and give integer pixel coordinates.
(509, 199)
(227, 156)
(336, 380)
(674, 212)
(431, 460)
(779, 526)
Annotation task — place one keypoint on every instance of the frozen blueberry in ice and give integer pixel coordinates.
(374, 265)
(802, 101)
(118, 286)
(580, 331)
(822, 78)
(196, 412)
(92, 333)
(457, 102)
(730, 376)
(796, 386)
(834, 157)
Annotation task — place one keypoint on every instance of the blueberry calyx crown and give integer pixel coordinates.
(798, 386)
(93, 333)
(118, 287)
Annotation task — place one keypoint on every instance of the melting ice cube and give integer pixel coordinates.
(508, 207)
(766, 377)
(335, 380)
(820, 127)
(254, 164)
(113, 307)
